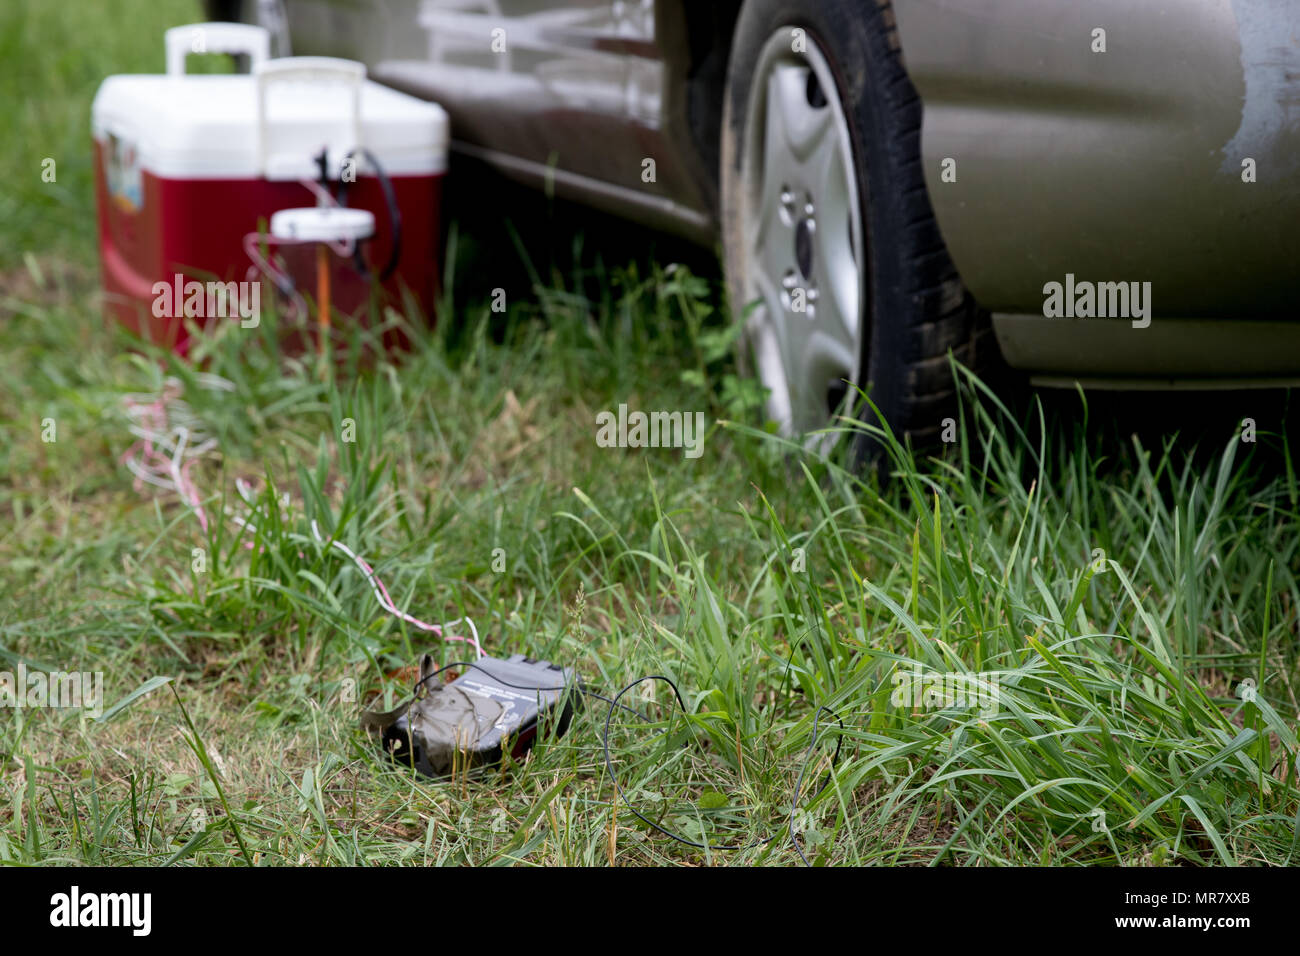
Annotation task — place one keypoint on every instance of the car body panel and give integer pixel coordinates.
(1123, 165)
(1239, 349)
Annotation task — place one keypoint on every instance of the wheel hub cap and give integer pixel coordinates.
(802, 236)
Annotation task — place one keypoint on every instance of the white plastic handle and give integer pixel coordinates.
(323, 224)
(309, 69)
(216, 38)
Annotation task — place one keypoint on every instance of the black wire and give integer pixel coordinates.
(592, 693)
(798, 784)
(794, 802)
(447, 667)
(394, 213)
(609, 766)
(576, 685)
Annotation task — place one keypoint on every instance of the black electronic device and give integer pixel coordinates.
(494, 703)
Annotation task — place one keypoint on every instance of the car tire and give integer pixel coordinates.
(912, 309)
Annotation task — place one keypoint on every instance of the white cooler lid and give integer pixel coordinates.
(206, 126)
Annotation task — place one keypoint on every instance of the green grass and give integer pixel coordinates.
(1118, 671)
(1119, 590)
(56, 55)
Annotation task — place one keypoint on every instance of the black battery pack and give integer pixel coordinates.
(494, 704)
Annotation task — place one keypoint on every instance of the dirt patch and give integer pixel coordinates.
(45, 281)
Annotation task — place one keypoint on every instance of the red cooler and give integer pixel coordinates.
(186, 166)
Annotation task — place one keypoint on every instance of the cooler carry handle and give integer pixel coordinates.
(308, 68)
(244, 38)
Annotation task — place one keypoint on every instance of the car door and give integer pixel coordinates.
(1114, 140)
(568, 92)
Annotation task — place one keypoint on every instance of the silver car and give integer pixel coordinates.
(1095, 191)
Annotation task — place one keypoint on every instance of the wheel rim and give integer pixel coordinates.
(801, 235)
